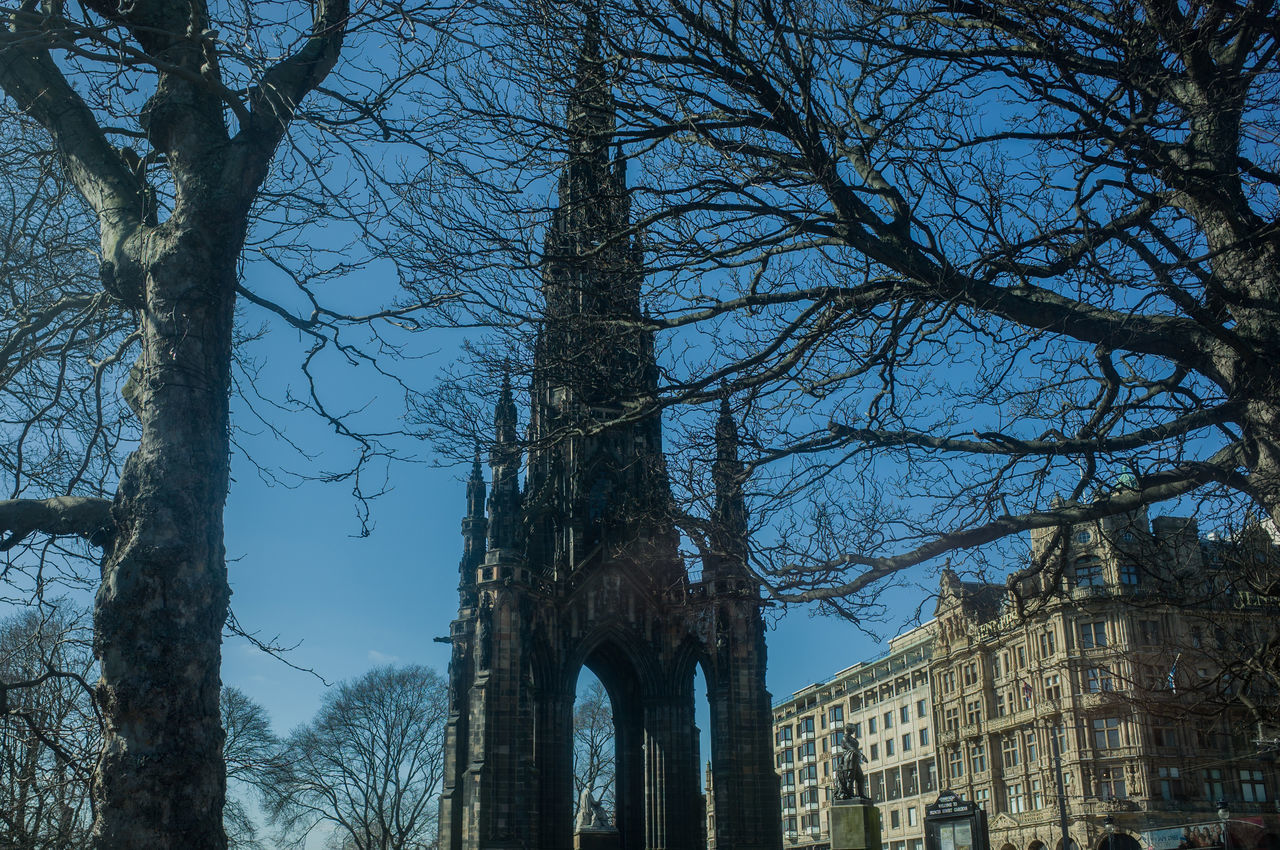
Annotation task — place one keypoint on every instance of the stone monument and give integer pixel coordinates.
(593, 830)
(855, 821)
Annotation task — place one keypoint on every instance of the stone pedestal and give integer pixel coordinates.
(855, 825)
(597, 839)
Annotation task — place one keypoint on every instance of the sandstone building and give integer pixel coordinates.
(1122, 659)
(1128, 651)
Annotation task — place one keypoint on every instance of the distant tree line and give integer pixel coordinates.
(365, 771)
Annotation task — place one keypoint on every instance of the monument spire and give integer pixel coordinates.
(729, 514)
(474, 526)
(504, 460)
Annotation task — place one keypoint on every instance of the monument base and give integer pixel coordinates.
(597, 839)
(855, 825)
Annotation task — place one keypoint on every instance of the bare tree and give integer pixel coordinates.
(190, 132)
(948, 260)
(248, 751)
(368, 767)
(593, 745)
(49, 731)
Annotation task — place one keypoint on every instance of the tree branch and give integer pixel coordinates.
(87, 517)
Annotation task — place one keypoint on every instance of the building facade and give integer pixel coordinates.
(1114, 658)
(887, 704)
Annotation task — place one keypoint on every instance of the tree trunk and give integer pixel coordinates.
(163, 601)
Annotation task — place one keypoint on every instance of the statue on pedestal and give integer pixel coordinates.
(850, 779)
(591, 815)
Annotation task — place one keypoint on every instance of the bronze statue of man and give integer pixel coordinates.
(850, 779)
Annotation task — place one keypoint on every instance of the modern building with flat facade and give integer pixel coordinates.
(886, 704)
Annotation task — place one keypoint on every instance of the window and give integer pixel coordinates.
(1021, 652)
(1213, 785)
(1129, 574)
(1106, 733)
(875, 752)
(1252, 788)
(930, 781)
(785, 757)
(806, 727)
(951, 719)
(921, 708)
(1001, 710)
(973, 711)
(788, 801)
(895, 819)
(1037, 796)
(947, 682)
(995, 667)
(837, 740)
(808, 775)
(978, 757)
(789, 824)
(888, 747)
(1009, 752)
(1170, 783)
(1059, 734)
(913, 819)
(888, 720)
(1111, 783)
(906, 743)
(910, 780)
(871, 725)
(924, 737)
(1164, 734)
(1093, 634)
(788, 779)
(836, 714)
(1052, 687)
(1097, 680)
(783, 738)
(982, 796)
(877, 787)
(970, 672)
(905, 714)
(955, 764)
(1031, 747)
(1089, 571)
(857, 730)
(1014, 801)
(1048, 643)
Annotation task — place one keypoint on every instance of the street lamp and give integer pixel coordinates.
(1224, 815)
(1109, 823)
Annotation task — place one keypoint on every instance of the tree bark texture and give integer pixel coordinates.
(164, 594)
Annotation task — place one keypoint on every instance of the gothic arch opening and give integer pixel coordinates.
(593, 748)
(608, 660)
